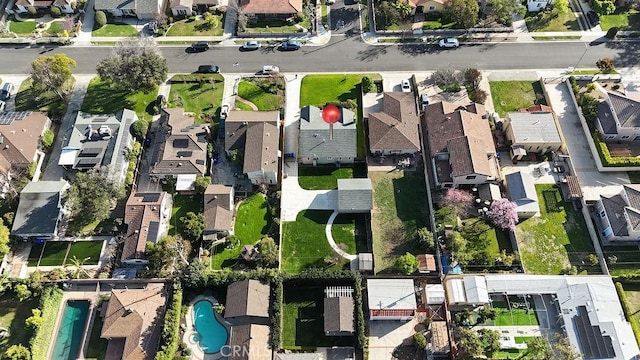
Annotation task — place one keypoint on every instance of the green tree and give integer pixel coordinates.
(537, 347)
(47, 138)
(561, 7)
(462, 12)
(99, 19)
(192, 225)
(136, 65)
(168, 256)
(470, 343)
(201, 184)
(593, 259)
(472, 77)
(55, 11)
(561, 349)
(490, 340)
(4, 240)
(92, 195)
(139, 129)
(407, 263)
(52, 73)
(35, 320)
(268, 251)
(387, 15)
(36, 279)
(486, 313)
(196, 275)
(22, 292)
(425, 239)
(77, 265)
(419, 340)
(503, 10)
(603, 7)
(17, 352)
(5, 283)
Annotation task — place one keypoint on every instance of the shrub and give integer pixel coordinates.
(196, 78)
(367, 84)
(139, 129)
(363, 340)
(419, 341)
(49, 304)
(451, 88)
(407, 263)
(635, 324)
(612, 32)
(276, 315)
(17, 352)
(480, 96)
(605, 64)
(171, 329)
(100, 19)
(47, 138)
(55, 11)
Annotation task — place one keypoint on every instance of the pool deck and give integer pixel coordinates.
(196, 351)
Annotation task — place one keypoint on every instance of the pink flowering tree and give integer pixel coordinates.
(459, 201)
(503, 214)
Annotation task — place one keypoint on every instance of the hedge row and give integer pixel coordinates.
(605, 155)
(189, 78)
(363, 341)
(171, 330)
(49, 305)
(635, 325)
(276, 315)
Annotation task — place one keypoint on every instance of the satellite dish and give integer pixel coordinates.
(331, 114)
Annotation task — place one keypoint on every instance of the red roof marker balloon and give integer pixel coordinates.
(331, 114)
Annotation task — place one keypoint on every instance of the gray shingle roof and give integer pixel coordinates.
(38, 210)
(247, 298)
(627, 110)
(522, 191)
(606, 119)
(615, 207)
(115, 4)
(355, 195)
(338, 314)
(534, 127)
(316, 141)
(218, 210)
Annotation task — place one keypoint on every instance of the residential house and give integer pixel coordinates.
(532, 130)
(327, 353)
(466, 291)
(338, 311)
(619, 215)
(522, 191)
(391, 299)
(132, 322)
(255, 135)
(183, 154)
(40, 210)
(147, 218)
(250, 342)
(355, 195)
(394, 131)
(427, 6)
(538, 5)
(20, 134)
(218, 211)
(618, 114)
(185, 7)
(322, 144)
(460, 144)
(271, 9)
(247, 298)
(141, 9)
(65, 6)
(98, 140)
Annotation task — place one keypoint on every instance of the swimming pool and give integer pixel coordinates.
(212, 335)
(70, 330)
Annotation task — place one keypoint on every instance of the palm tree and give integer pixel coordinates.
(79, 272)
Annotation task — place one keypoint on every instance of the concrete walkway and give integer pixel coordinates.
(84, 35)
(332, 242)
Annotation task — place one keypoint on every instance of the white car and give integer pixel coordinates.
(224, 110)
(448, 43)
(270, 70)
(2, 105)
(251, 45)
(406, 86)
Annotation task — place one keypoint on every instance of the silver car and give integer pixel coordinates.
(251, 45)
(448, 43)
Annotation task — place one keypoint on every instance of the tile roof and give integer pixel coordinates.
(247, 298)
(218, 207)
(426, 262)
(184, 151)
(338, 314)
(20, 137)
(536, 108)
(142, 213)
(315, 139)
(38, 209)
(271, 6)
(396, 127)
(253, 340)
(468, 156)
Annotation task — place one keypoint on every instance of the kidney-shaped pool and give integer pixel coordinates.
(212, 335)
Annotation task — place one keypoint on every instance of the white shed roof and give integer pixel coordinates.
(186, 182)
(476, 289)
(391, 294)
(435, 294)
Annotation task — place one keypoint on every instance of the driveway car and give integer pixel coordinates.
(448, 43)
(5, 93)
(290, 45)
(199, 46)
(406, 86)
(208, 69)
(251, 45)
(224, 111)
(2, 105)
(593, 17)
(270, 70)
(424, 101)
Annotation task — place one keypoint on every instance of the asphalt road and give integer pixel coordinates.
(350, 54)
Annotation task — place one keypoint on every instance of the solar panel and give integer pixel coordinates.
(181, 143)
(7, 118)
(90, 152)
(594, 344)
(154, 228)
(184, 153)
(87, 163)
(150, 197)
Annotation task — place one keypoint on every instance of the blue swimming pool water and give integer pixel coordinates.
(71, 330)
(213, 335)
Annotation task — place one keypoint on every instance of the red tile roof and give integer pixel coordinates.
(271, 6)
(392, 312)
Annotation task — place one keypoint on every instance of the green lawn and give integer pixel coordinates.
(322, 177)
(511, 96)
(103, 98)
(482, 237)
(399, 209)
(12, 316)
(274, 26)
(303, 320)
(629, 20)
(304, 242)
(253, 221)
(265, 101)
(115, 30)
(97, 348)
(54, 253)
(56, 27)
(198, 98)
(436, 24)
(196, 28)
(182, 204)
(28, 99)
(84, 249)
(512, 316)
(555, 240)
(549, 22)
(626, 262)
(350, 230)
(22, 27)
(34, 254)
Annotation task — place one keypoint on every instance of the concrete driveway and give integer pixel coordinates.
(384, 336)
(592, 182)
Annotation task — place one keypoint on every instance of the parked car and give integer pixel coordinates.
(593, 17)
(448, 43)
(224, 111)
(406, 86)
(251, 45)
(424, 101)
(270, 70)
(290, 45)
(5, 93)
(208, 69)
(199, 46)
(331, 2)
(2, 105)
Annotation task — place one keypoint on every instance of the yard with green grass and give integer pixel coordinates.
(545, 21)
(54, 253)
(507, 314)
(97, 348)
(624, 20)
(22, 27)
(399, 209)
(274, 26)
(350, 230)
(557, 239)
(115, 30)
(436, 24)
(85, 249)
(622, 260)
(197, 97)
(55, 27)
(303, 320)
(59, 253)
(509, 96)
(304, 242)
(265, 93)
(182, 204)
(27, 99)
(253, 221)
(103, 98)
(12, 317)
(197, 28)
(322, 177)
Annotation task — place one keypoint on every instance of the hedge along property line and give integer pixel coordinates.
(171, 329)
(363, 341)
(605, 155)
(49, 305)
(188, 78)
(635, 325)
(276, 315)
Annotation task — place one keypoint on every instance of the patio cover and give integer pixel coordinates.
(186, 182)
(68, 156)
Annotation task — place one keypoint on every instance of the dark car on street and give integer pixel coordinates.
(290, 45)
(208, 69)
(199, 46)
